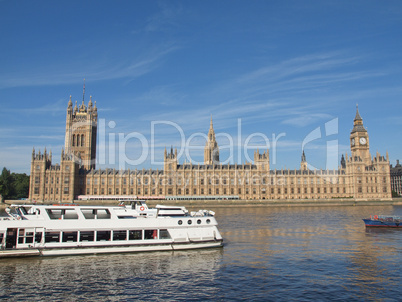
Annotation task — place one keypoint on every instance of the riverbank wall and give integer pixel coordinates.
(240, 203)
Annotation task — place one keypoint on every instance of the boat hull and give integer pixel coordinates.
(372, 223)
(108, 249)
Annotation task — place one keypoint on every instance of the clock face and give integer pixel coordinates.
(353, 141)
(363, 140)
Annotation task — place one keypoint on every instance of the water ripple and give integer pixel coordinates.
(270, 254)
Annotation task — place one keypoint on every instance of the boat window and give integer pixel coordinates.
(69, 237)
(21, 235)
(199, 221)
(29, 236)
(1, 237)
(151, 234)
(62, 213)
(180, 222)
(25, 236)
(103, 214)
(126, 217)
(119, 235)
(38, 237)
(87, 236)
(189, 221)
(208, 221)
(54, 214)
(164, 234)
(52, 237)
(134, 234)
(70, 214)
(103, 235)
(88, 213)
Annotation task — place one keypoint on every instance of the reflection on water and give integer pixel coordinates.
(270, 253)
(155, 275)
(305, 253)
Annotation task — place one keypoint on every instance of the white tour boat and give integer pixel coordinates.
(71, 229)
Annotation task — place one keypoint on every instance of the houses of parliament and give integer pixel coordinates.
(360, 176)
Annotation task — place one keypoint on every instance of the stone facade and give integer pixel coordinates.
(359, 176)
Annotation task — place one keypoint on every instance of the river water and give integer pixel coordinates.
(270, 254)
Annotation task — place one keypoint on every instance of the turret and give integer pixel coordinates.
(170, 160)
(343, 162)
(261, 160)
(70, 107)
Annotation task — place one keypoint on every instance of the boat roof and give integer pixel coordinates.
(70, 205)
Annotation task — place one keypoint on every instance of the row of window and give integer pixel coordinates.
(29, 236)
(240, 181)
(57, 214)
(219, 191)
(66, 190)
(372, 189)
(78, 140)
(66, 179)
(218, 180)
(211, 191)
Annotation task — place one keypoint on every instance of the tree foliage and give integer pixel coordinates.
(13, 185)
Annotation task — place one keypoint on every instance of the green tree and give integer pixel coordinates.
(6, 184)
(13, 185)
(21, 185)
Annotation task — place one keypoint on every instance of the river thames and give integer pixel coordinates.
(270, 254)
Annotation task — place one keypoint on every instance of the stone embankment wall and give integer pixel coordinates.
(240, 203)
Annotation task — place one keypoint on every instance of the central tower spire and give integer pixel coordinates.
(211, 151)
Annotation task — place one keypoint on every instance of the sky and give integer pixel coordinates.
(279, 75)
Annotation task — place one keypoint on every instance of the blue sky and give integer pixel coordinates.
(273, 69)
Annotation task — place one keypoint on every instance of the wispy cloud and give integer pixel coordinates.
(163, 20)
(306, 119)
(96, 70)
(163, 95)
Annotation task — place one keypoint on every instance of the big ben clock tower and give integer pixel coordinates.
(359, 140)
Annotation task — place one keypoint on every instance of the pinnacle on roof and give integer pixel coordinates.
(358, 122)
(83, 93)
(357, 117)
(303, 157)
(211, 128)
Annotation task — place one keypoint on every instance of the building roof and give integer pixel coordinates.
(358, 123)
